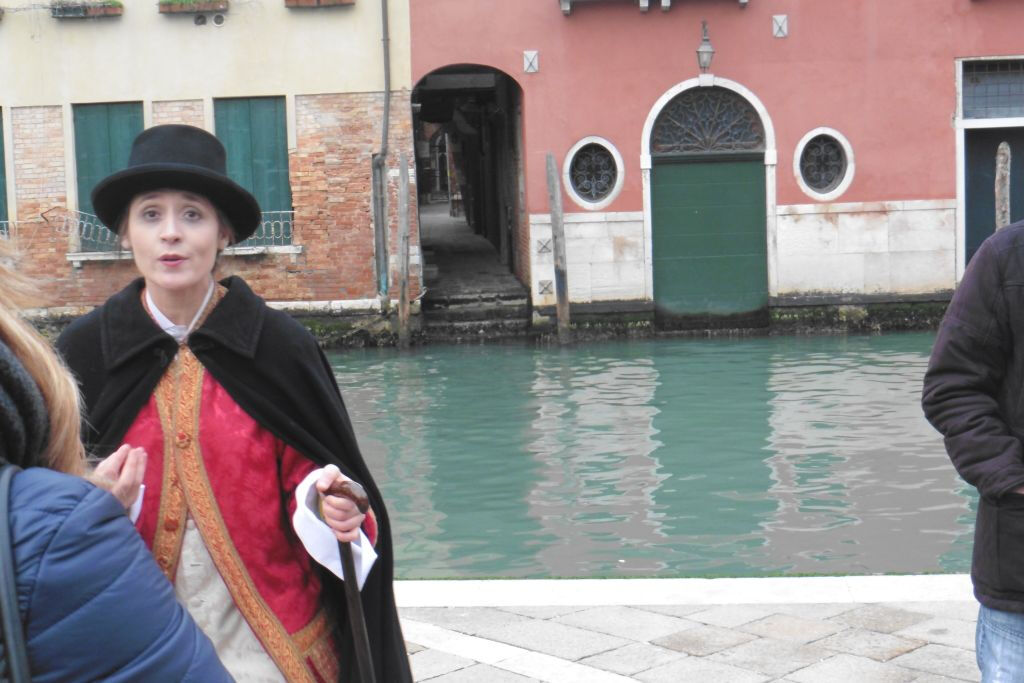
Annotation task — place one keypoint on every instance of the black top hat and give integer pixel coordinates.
(177, 157)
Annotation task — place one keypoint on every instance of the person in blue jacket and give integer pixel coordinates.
(94, 604)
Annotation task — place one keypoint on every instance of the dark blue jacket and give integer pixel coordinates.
(974, 395)
(94, 603)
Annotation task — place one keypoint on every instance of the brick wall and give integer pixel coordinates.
(39, 233)
(330, 171)
(190, 112)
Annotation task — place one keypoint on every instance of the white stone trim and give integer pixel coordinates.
(866, 207)
(844, 184)
(77, 257)
(770, 162)
(721, 591)
(620, 173)
(332, 306)
(263, 249)
(608, 217)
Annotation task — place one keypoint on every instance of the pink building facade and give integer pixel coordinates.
(832, 152)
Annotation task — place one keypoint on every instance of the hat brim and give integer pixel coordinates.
(113, 194)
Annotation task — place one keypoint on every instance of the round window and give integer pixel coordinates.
(593, 172)
(823, 163)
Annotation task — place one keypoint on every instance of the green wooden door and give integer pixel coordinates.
(709, 243)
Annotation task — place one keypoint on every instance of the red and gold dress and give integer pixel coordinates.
(219, 497)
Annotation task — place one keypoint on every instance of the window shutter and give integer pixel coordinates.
(103, 142)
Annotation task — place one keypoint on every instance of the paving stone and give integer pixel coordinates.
(626, 622)
(878, 646)
(952, 632)
(851, 669)
(771, 657)
(559, 640)
(788, 627)
(730, 616)
(463, 619)
(966, 610)
(481, 672)
(431, 663)
(413, 648)
(633, 658)
(935, 678)
(941, 660)
(880, 618)
(825, 610)
(699, 669)
(703, 640)
(673, 610)
(541, 612)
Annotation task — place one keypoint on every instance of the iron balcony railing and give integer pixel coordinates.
(275, 230)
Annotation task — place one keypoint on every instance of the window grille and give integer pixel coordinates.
(823, 163)
(993, 89)
(275, 230)
(92, 234)
(593, 172)
(707, 121)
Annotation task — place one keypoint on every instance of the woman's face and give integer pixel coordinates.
(174, 237)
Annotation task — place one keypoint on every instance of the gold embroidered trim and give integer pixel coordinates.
(170, 529)
(306, 637)
(203, 506)
(170, 523)
(317, 642)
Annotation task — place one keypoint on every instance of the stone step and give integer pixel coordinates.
(434, 300)
(506, 311)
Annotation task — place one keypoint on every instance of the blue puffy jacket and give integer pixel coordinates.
(94, 603)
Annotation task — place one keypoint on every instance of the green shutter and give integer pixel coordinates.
(103, 142)
(254, 132)
(3, 182)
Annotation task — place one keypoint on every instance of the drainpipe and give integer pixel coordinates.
(380, 159)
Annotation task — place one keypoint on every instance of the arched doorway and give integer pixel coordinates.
(468, 118)
(708, 211)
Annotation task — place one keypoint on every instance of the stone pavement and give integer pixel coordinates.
(794, 630)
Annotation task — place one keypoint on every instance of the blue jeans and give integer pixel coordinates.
(999, 646)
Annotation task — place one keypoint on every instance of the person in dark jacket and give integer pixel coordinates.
(974, 395)
(244, 425)
(94, 604)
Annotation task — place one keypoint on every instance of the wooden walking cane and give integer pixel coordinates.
(361, 640)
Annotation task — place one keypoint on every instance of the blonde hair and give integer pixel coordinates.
(63, 450)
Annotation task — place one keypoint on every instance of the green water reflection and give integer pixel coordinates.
(743, 457)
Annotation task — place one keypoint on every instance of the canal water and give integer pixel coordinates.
(660, 458)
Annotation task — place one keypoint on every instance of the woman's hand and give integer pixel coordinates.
(340, 513)
(121, 473)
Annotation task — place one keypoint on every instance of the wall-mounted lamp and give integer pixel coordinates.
(705, 52)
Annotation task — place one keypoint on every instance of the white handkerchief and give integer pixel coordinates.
(319, 540)
(136, 509)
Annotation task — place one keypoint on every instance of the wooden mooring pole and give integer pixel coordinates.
(558, 247)
(1003, 162)
(403, 252)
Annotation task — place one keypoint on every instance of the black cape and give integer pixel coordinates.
(272, 367)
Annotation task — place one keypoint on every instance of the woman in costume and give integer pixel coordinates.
(241, 416)
(93, 603)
